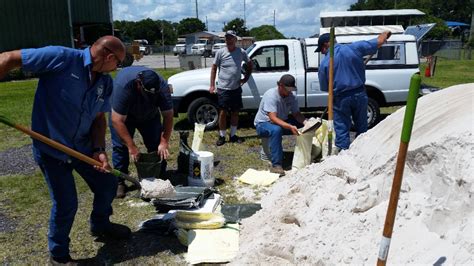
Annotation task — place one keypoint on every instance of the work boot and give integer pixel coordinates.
(220, 141)
(277, 169)
(236, 139)
(113, 231)
(62, 260)
(121, 191)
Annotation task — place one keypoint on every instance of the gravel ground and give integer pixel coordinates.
(17, 161)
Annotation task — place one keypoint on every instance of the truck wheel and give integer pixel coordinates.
(128, 61)
(203, 111)
(373, 113)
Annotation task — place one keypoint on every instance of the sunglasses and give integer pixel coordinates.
(108, 51)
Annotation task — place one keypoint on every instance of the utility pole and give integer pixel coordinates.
(163, 43)
(245, 20)
(207, 25)
(197, 14)
(274, 18)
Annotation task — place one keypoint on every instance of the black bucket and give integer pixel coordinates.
(149, 165)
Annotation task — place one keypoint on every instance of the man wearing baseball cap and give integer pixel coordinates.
(140, 95)
(229, 91)
(271, 120)
(350, 98)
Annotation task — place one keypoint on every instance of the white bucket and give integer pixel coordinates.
(200, 169)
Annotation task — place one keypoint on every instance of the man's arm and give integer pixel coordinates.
(248, 72)
(9, 61)
(212, 87)
(98, 140)
(163, 148)
(382, 38)
(275, 120)
(118, 122)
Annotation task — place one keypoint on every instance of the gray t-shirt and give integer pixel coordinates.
(272, 102)
(229, 66)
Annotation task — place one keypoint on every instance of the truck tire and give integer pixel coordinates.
(128, 61)
(204, 111)
(373, 113)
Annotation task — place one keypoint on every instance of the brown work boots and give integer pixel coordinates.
(277, 169)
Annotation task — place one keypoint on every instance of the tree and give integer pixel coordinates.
(237, 25)
(147, 29)
(266, 32)
(190, 25)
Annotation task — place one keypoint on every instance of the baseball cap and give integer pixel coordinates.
(151, 82)
(288, 81)
(322, 40)
(231, 33)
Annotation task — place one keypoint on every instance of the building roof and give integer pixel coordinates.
(371, 13)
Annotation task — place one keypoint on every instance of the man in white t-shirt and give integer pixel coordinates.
(271, 120)
(229, 91)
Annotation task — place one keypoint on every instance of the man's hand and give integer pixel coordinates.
(294, 130)
(212, 89)
(102, 157)
(163, 151)
(133, 152)
(243, 81)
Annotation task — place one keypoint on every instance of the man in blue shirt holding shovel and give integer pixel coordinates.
(70, 104)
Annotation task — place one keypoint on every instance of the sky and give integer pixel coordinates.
(293, 18)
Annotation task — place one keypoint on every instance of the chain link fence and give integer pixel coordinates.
(447, 49)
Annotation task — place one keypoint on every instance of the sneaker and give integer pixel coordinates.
(62, 260)
(121, 191)
(277, 169)
(236, 139)
(113, 231)
(220, 141)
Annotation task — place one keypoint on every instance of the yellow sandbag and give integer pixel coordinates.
(198, 137)
(196, 216)
(214, 223)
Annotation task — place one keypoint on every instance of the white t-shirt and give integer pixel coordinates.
(229, 65)
(272, 102)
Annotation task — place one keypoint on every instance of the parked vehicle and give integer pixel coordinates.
(180, 47)
(203, 47)
(388, 77)
(217, 46)
(143, 46)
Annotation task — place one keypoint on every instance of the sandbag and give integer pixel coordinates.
(198, 137)
(321, 142)
(302, 155)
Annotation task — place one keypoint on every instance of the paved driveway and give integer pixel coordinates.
(157, 61)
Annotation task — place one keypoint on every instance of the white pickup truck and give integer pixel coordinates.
(388, 77)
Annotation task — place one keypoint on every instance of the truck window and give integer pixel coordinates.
(271, 58)
(389, 54)
(312, 58)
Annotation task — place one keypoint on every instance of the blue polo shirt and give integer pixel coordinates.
(66, 103)
(137, 105)
(349, 67)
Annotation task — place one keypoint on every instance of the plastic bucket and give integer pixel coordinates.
(201, 166)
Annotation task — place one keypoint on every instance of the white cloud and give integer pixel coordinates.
(294, 18)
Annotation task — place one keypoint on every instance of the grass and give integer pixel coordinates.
(25, 203)
(449, 73)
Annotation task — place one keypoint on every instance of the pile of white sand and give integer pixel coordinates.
(334, 212)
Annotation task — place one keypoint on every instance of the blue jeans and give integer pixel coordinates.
(346, 107)
(63, 194)
(151, 134)
(275, 134)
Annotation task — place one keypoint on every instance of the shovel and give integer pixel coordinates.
(66, 149)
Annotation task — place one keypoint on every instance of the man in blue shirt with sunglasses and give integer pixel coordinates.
(70, 103)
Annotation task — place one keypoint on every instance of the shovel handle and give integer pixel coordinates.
(65, 149)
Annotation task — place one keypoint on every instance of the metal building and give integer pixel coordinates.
(26, 23)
